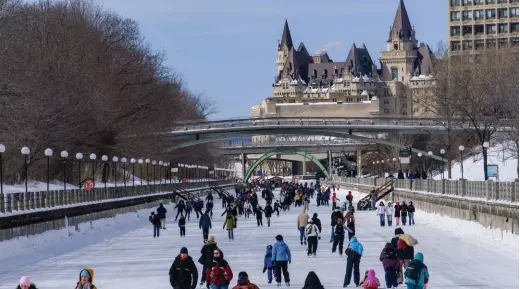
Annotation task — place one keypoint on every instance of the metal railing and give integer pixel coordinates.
(25, 202)
(478, 190)
(280, 143)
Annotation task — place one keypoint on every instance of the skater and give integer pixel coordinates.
(268, 263)
(247, 209)
(301, 224)
(339, 237)
(417, 273)
(243, 282)
(25, 283)
(281, 257)
(404, 244)
(188, 210)
(404, 213)
(219, 274)
(316, 221)
(209, 207)
(86, 277)
(334, 200)
(313, 235)
(350, 198)
(268, 211)
(390, 262)
(371, 281)
(182, 225)
(397, 213)
(354, 253)
(161, 213)
(333, 221)
(411, 213)
(156, 222)
(229, 225)
(381, 211)
(183, 272)
(390, 214)
(258, 213)
(206, 257)
(312, 281)
(180, 209)
(205, 225)
(350, 222)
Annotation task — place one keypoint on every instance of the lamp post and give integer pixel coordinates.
(132, 161)
(421, 167)
(160, 174)
(64, 155)
(485, 147)
(115, 159)
(430, 154)
(147, 161)
(153, 168)
(25, 152)
(377, 162)
(104, 158)
(442, 163)
(123, 160)
(393, 160)
(79, 157)
(383, 166)
(461, 149)
(140, 161)
(93, 159)
(48, 153)
(2, 151)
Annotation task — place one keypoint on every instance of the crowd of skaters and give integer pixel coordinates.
(397, 257)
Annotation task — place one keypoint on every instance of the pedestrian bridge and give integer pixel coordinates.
(321, 146)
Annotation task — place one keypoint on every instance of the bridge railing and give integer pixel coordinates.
(25, 202)
(483, 190)
(390, 121)
(290, 143)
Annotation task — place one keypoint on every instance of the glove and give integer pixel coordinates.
(289, 262)
(263, 271)
(319, 238)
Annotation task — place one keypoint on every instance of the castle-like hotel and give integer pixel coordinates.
(316, 86)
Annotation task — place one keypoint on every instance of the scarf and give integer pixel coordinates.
(87, 285)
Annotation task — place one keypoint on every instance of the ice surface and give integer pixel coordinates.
(123, 253)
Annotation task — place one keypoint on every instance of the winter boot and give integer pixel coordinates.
(278, 284)
(287, 284)
(270, 281)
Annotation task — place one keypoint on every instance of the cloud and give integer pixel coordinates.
(328, 46)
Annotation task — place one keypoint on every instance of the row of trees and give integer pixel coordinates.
(75, 77)
(479, 88)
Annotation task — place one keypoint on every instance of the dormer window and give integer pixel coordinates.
(325, 73)
(396, 46)
(314, 73)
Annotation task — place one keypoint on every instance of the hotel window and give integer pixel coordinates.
(478, 29)
(503, 42)
(334, 100)
(491, 13)
(502, 28)
(513, 12)
(455, 16)
(467, 15)
(359, 99)
(502, 12)
(479, 44)
(479, 2)
(478, 14)
(491, 43)
(514, 28)
(490, 1)
(514, 41)
(467, 44)
(455, 31)
(455, 2)
(491, 29)
(467, 29)
(395, 73)
(467, 2)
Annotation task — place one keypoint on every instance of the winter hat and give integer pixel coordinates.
(315, 215)
(242, 278)
(279, 238)
(211, 239)
(184, 250)
(398, 231)
(24, 281)
(269, 247)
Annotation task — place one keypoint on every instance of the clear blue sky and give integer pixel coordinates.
(227, 49)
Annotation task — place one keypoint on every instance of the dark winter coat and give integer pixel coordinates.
(403, 254)
(183, 273)
(268, 210)
(258, 213)
(161, 212)
(397, 210)
(31, 287)
(207, 253)
(155, 220)
(205, 222)
(312, 281)
(389, 257)
(410, 208)
(339, 230)
(180, 207)
(182, 222)
(317, 222)
(404, 211)
(334, 216)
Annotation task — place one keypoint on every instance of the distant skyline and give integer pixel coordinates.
(227, 49)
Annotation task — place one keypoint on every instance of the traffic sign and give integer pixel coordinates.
(88, 184)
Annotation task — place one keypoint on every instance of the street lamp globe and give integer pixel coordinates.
(123, 160)
(394, 159)
(26, 151)
(64, 154)
(147, 161)
(2, 148)
(104, 158)
(132, 160)
(140, 161)
(160, 163)
(382, 161)
(485, 144)
(154, 163)
(461, 148)
(419, 154)
(443, 151)
(430, 153)
(48, 152)
(115, 159)
(92, 156)
(79, 156)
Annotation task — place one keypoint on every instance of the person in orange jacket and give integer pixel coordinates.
(243, 282)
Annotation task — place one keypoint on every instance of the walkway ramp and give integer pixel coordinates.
(220, 191)
(382, 191)
(183, 194)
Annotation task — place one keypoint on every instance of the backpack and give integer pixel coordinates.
(413, 271)
(389, 254)
(401, 244)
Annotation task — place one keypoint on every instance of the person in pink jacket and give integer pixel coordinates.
(371, 282)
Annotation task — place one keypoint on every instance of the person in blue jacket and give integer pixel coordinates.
(268, 263)
(354, 253)
(281, 257)
(416, 274)
(205, 225)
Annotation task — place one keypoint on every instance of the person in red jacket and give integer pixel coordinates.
(350, 198)
(334, 200)
(219, 275)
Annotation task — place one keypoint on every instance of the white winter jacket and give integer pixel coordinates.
(381, 210)
(389, 210)
(312, 231)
